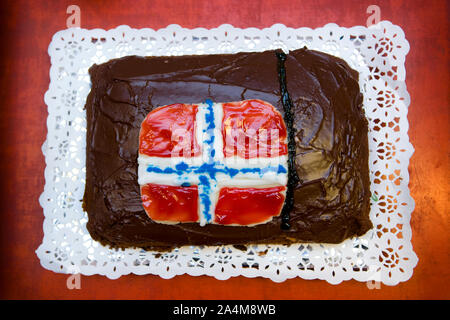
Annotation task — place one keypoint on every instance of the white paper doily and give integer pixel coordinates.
(384, 254)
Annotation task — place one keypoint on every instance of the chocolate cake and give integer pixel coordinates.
(328, 188)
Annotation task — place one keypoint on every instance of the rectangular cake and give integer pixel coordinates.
(315, 188)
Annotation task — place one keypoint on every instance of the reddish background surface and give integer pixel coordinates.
(27, 28)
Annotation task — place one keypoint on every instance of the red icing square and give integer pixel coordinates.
(169, 131)
(251, 129)
(246, 206)
(170, 203)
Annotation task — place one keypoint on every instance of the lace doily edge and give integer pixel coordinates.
(92, 270)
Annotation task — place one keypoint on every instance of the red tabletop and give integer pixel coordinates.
(27, 28)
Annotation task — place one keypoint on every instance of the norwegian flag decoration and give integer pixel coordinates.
(220, 163)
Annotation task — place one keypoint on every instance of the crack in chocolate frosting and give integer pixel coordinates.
(317, 94)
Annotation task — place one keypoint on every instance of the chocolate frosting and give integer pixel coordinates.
(330, 185)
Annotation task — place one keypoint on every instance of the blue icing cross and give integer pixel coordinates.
(206, 172)
(216, 167)
(209, 141)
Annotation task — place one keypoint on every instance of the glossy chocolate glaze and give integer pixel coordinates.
(331, 196)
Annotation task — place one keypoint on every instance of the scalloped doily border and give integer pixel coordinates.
(367, 259)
